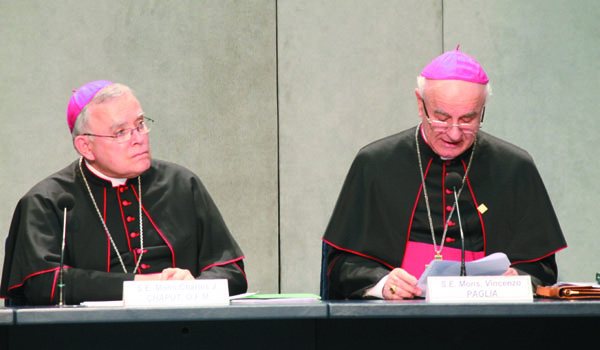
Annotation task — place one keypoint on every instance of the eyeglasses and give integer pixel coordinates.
(440, 126)
(124, 135)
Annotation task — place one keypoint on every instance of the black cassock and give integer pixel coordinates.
(381, 210)
(182, 227)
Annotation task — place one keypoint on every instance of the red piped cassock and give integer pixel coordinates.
(182, 227)
(380, 220)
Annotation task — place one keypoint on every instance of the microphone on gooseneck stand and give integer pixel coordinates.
(453, 181)
(65, 202)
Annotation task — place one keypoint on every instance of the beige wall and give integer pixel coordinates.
(269, 101)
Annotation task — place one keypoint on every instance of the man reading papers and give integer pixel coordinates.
(391, 218)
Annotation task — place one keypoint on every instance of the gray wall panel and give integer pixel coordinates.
(347, 74)
(341, 73)
(543, 61)
(205, 70)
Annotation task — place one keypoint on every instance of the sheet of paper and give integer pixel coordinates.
(277, 298)
(578, 284)
(241, 296)
(108, 303)
(492, 265)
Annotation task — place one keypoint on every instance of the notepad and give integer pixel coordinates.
(277, 298)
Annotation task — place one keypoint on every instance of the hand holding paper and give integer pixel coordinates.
(492, 265)
(400, 285)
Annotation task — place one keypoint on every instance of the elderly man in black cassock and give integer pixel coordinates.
(394, 214)
(134, 217)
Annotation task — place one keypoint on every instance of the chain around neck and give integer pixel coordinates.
(106, 228)
(435, 247)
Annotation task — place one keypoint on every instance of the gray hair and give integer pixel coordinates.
(421, 87)
(105, 94)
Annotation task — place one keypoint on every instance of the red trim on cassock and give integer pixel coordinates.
(224, 263)
(54, 284)
(243, 273)
(357, 253)
(476, 207)
(412, 216)
(156, 228)
(124, 220)
(331, 267)
(107, 238)
(56, 269)
(545, 256)
(444, 193)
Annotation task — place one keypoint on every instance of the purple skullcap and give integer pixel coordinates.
(81, 97)
(455, 65)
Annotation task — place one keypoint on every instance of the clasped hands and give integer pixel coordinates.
(402, 285)
(166, 275)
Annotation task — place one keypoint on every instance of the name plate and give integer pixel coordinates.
(477, 289)
(201, 292)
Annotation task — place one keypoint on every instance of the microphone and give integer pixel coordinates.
(454, 180)
(65, 202)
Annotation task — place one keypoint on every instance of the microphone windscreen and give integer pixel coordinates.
(453, 181)
(65, 201)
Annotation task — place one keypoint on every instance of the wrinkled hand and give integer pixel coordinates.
(510, 272)
(400, 285)
(167, 274)
(176, 274)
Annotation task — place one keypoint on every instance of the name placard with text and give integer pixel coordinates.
(471, 289)
(176, 293)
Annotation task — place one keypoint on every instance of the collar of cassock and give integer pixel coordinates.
(114, 181)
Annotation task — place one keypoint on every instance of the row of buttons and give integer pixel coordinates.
(449, 209)
(126, 203)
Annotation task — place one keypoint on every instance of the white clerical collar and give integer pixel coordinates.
(115, 182)
(425, 139)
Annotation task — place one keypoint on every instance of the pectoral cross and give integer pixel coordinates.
(437, 256)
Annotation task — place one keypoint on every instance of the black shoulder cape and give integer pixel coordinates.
(373, 212)
(179, 216)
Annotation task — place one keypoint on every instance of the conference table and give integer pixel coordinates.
(305, 325)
